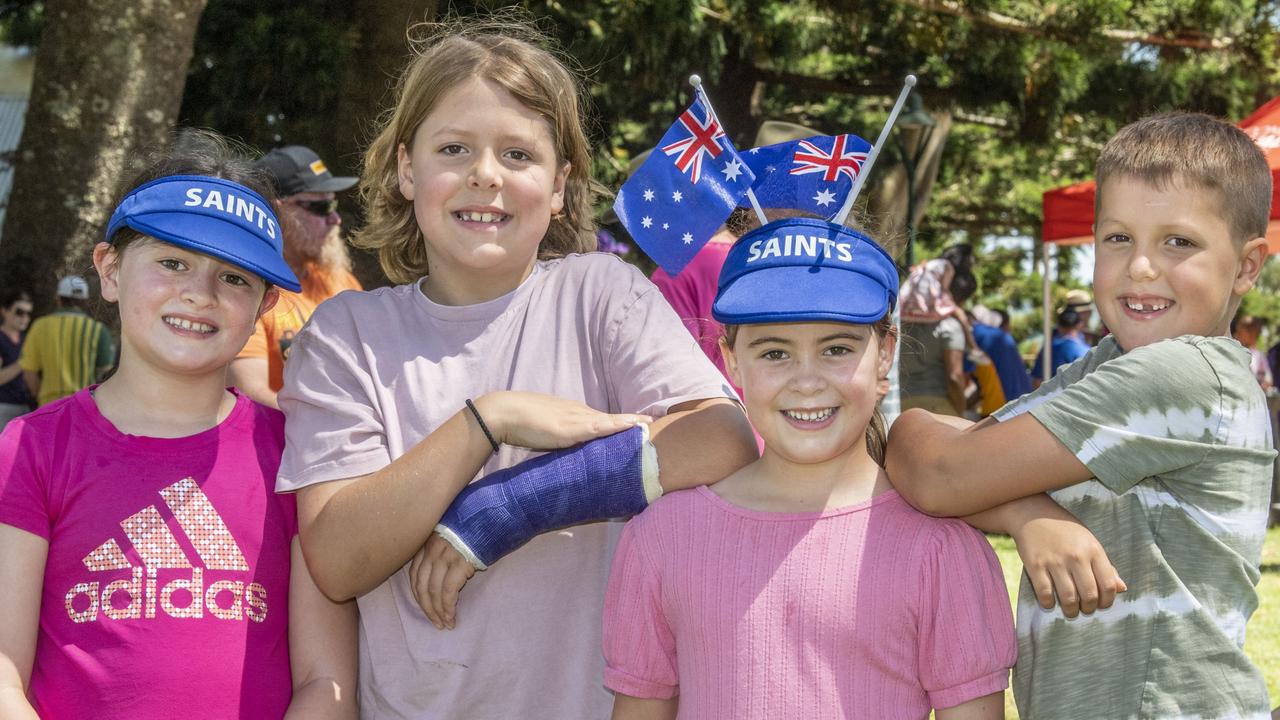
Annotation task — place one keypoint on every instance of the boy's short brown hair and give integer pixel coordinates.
(1199, 149)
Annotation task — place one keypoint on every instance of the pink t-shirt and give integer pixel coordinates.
(691, 294)
(166, 588)
(376, 372)
(869, 611)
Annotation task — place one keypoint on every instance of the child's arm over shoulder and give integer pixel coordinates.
(943, 470)
(1124, 419)
(1062, 559)
(362, 516)
(357, 531)
(654, 366)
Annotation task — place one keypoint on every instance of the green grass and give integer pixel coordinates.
(1262, 644)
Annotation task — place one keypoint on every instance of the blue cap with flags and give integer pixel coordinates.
(209, 215)
(805, 270)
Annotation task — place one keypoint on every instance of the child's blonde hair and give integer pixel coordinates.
(508, 53)
(1200, 149)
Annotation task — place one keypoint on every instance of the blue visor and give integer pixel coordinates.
(805, 270)
(213, 216)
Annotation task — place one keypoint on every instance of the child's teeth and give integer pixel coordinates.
(188, 325)
(1139, 307)
(810, 416)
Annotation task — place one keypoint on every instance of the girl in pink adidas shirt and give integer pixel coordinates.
(147, 568)
(802, 585)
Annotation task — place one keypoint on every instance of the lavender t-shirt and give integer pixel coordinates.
(376, 372)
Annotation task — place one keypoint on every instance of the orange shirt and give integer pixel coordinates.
(275, 330)
(989, 385)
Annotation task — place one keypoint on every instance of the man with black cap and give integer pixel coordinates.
(313, 248)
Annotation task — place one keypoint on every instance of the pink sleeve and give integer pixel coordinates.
(966, 638)
(23, 495)
(691, 295)
(639, 649)
(678, 292)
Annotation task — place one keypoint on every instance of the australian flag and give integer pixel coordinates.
(684, 191)
(814, 175)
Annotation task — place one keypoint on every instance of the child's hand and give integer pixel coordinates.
(547, 422)
(436, 576)
(1060, 554)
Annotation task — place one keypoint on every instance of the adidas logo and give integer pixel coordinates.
(158, 548)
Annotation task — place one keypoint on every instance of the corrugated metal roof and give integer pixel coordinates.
(13, 112)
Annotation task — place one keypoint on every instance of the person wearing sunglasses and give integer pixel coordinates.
(15, 316)
(316, 252)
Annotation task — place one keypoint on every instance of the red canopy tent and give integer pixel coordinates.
(1068, 211)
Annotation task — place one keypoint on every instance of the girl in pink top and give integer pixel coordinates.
(802, 585)
(147, 568)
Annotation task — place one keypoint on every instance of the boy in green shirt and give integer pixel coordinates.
(1158, 441)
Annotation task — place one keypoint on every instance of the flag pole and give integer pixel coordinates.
(908, 83)
(696, 82)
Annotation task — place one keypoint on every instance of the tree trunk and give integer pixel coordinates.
(887, 205)
(108, 80)
(378, 57)
(735, 93)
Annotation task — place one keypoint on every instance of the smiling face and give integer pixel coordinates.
(181, 312)
(484, 180)
(1166, 263)
(810, 388)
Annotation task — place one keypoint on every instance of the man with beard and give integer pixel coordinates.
(315, 251)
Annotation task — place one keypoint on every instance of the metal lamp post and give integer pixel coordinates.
(917, 123)
(916, 127)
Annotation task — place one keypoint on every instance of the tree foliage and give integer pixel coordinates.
(265, 71)
(104, 92)
(1032, 88)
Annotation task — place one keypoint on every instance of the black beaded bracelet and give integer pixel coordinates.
(485, 428)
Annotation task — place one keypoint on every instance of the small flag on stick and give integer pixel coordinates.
(685, 190)
(814, 175)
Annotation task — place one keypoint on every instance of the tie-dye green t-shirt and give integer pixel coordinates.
(1178, 438)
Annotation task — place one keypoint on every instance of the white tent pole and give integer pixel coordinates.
(1046, 346)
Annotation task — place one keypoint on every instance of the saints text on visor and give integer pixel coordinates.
(232, 205)
(799, 246)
